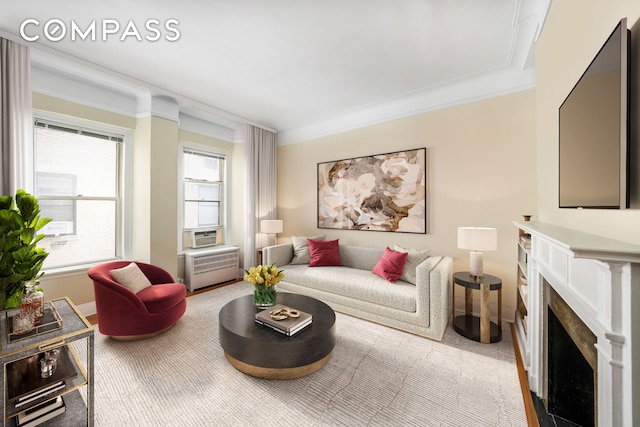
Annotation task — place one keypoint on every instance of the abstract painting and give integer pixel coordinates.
(384, 192)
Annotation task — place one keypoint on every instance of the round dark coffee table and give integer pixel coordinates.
(259, 351)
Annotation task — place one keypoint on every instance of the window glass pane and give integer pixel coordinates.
(203, 188)
(202, 167)
(201, 214)
(73, 167)
(91, 159)
(199, 191)
(55, 184)
(94, 237)
(62, 212)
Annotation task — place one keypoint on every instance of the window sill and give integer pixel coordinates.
(72, 270)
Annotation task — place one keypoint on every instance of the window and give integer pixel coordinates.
(78, 185)
(203, 174)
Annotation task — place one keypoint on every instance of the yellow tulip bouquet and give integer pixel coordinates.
(264, 278)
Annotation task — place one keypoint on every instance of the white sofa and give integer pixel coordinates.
(423, 308)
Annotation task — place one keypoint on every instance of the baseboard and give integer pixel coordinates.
(87, 309)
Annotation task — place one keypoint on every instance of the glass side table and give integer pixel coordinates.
(480, 329)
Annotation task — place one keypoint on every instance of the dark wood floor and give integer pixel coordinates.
(529, 406)
(93, 319)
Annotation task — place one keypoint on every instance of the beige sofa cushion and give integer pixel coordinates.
(354, 283)
(301, 248)
(414, 258)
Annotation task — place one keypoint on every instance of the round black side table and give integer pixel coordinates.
(480, 329)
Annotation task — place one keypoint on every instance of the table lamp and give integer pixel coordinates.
(271, 226)
(477, 240)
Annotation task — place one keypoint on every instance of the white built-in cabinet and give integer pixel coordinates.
(522, 297)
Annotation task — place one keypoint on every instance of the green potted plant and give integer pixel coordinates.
(20, 258)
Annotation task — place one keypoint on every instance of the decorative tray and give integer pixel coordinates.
(50, 321)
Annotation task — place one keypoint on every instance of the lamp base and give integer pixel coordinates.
(476, 264)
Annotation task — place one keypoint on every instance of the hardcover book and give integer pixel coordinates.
(41, 413)
(288, 326)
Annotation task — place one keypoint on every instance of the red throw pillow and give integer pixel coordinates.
(391, 265)
(324, 252)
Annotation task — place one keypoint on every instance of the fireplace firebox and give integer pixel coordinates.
(570, 383)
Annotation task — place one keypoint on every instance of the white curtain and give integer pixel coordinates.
(16, 118)
(260, 151)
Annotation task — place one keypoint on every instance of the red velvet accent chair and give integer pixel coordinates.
(124, 315)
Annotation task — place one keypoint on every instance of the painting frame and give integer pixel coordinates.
(382, 192)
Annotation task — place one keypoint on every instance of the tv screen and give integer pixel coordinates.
(594, 133)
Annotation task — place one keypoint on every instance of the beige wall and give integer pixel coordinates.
(164, 194)
(141, 188)
(49, 103)
(236, 199)
(480, 172)
(572, 35)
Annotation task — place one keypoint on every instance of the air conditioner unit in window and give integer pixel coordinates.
(204, 237)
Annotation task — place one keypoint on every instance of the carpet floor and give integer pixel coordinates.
(377, 376)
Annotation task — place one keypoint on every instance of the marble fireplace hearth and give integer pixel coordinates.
(584, 301)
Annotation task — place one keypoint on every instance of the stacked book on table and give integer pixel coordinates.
(41, 413)
(40, 393)
(290, 325)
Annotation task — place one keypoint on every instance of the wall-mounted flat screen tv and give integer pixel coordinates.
(594, 131)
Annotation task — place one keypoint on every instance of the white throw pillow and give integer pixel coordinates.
(414, 258)
(301, 248)
(131, 277)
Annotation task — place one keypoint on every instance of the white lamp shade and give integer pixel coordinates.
(477, 240)
(271, 226)
(480, 239)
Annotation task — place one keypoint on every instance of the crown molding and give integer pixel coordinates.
(488, 85)
(49, 82)
(203, 127)
(67, 77)
(85, 82)
(517, 75)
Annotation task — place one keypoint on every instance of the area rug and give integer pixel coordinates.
(377, 376)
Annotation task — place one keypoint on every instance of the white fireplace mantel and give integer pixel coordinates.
(599, 278)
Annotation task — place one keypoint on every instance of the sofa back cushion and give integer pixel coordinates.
(414, 259)
(360, 257)
(301, 248)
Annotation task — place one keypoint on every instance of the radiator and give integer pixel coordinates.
(209, 267)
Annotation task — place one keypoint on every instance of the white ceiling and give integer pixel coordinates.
(300, 67)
